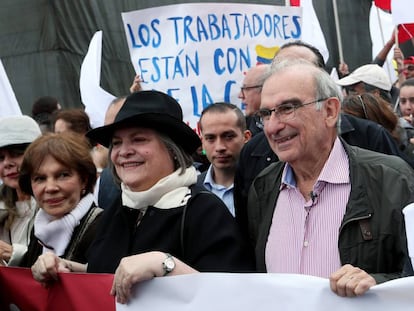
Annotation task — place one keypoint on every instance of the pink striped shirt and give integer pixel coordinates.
(303, 236)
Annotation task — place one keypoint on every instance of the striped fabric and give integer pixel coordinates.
(303, 237)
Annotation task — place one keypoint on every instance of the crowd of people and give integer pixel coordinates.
(311, 179)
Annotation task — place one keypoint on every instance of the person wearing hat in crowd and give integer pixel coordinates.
(161, 224)
(369, 78)
(374, 80)
(17, 209)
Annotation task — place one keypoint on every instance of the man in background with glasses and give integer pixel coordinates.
(250, 93)
(326, 208)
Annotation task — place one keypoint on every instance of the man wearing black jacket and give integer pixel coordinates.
(257, 154)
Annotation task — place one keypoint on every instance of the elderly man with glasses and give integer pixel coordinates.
(250, 93)
(326, 208)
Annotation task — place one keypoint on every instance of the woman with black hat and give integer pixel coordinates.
(160, 216)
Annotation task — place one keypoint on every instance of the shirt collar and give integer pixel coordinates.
(209, 181)
(335, 170)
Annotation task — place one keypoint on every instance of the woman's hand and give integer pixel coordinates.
(142, 267)
(350, 281)
(134, 269)
(45, 269)
(343, 69)
(6, 250)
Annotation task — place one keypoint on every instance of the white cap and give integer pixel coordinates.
(370, 74)
(18, 130)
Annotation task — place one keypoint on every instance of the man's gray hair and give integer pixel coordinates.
(325, 86)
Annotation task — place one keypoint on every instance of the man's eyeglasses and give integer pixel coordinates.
(246, 88)
(285, 111)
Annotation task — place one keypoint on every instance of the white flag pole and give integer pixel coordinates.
(338, 32)
(383, 41)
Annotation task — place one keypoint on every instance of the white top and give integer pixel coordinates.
(19, 233)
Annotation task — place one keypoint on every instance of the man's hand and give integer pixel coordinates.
(136, 84)
(350, 281)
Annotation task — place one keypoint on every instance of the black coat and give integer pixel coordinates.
(109, 190)
(211, 239)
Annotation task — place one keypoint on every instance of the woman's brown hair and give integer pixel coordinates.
(370, 107)
(69, 149)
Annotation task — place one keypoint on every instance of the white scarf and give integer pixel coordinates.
(56, 234)
(169, 192)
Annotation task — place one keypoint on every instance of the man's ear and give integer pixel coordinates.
(247, 135)
(202, 140)
(333, 109)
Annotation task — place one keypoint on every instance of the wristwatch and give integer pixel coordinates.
(168, 264)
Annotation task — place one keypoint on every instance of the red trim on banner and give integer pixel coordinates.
(383, 4)
(73, 291)
(405, 32)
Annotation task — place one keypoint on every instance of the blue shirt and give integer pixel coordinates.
(224, 193)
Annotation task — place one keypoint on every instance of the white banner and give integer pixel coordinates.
(402, 11)
(311, 29)
(95, 99)
(409, 229)
(9, 105)
(246, 292)
(198, 52)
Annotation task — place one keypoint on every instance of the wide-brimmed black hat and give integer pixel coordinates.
(154, 110)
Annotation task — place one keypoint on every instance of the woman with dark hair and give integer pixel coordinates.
(74, 120)
(43, 110)
(58, 170)
(17, 209)
(370, 107)
(161, 223)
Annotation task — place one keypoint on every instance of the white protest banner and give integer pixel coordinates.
(402, 11)
(9, 105)
(311, 29)
(246, 292)
(409, 229)
(95, 98)
(198, 52)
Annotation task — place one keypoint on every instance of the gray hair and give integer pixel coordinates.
(325, 86)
